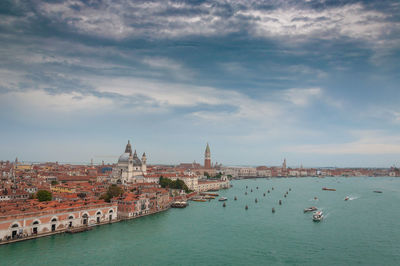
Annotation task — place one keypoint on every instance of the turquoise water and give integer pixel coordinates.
(362, 231)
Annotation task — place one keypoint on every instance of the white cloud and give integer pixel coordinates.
(302, 97)
(367, 142)
(64, 102)
(165, 19)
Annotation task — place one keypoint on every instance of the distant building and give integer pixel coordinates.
(129, 167)
(207, 158)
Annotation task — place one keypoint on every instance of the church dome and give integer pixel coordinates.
(124, 158)
(136, 160)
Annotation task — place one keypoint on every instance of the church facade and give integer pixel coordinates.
(129, 168)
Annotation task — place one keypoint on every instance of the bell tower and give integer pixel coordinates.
(207, 158)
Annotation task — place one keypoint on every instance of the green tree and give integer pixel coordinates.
(53, 183)
(43, 195)
(113, 191)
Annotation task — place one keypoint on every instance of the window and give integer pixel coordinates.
(54, 220)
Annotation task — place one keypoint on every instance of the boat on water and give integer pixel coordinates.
(328, 189)
(346, 198)
(317, 216)
(223, 199)
(378, 191)
(311, 209)
(179, 204)
(199, 200)
(209, 194)
(224, 205)
(209, 197)
(235, 198)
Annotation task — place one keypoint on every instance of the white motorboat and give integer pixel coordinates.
(223, 199)
(317, 216)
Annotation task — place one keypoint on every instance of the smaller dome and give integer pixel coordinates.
(136, 161)
(124, 158)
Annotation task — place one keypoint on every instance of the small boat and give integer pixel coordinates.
(224, 205)
(251, 190)
(235, 198)
(199, 200)
(311, 209)
(280, 202)
(317, 216)
(272, 188)
(264, 194)
(256, 200)
(247, 187)
(209, 194)
(378, 191)
(222, 199)
(284, 195)
(315, 198)
(290, 189)
(273, 210)
(245, 193)
(256, 187)
(179, 204)
(209, 197)
(247, 207)
(268, 191)
(328, 189)
(346, 198)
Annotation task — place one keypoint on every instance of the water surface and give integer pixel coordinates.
(364, 230)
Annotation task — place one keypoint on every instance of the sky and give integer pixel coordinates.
(315, 82)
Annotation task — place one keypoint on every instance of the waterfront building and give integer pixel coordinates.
(207, 185)
(34, 219)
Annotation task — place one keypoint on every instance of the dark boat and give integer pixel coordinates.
(290, 189)
(328, 189)
(378, 191)
(245, 193)
(235, 198)
(280, 202)
(284, 195)
(264, 194)
(268, 191)
(272, 188)
(224, 205)
(256, 187)
(246, 207)
(311, 209)
(273, 210)
(251, 190)
(256, 200)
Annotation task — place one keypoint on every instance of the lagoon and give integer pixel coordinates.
(362, 231)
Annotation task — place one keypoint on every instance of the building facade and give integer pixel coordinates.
(129, 167)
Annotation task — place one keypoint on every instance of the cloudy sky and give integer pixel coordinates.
(314, 81)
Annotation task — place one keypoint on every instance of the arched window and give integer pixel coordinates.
(15, 225)
(111, 211)
(71, 217)
(54, 220)
(35, 222)
(98, 213)
(85, 216)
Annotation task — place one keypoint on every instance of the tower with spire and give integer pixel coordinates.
(207, 158)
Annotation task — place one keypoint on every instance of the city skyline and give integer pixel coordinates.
(315, 82)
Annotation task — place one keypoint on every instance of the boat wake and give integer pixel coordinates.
(351, 197)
